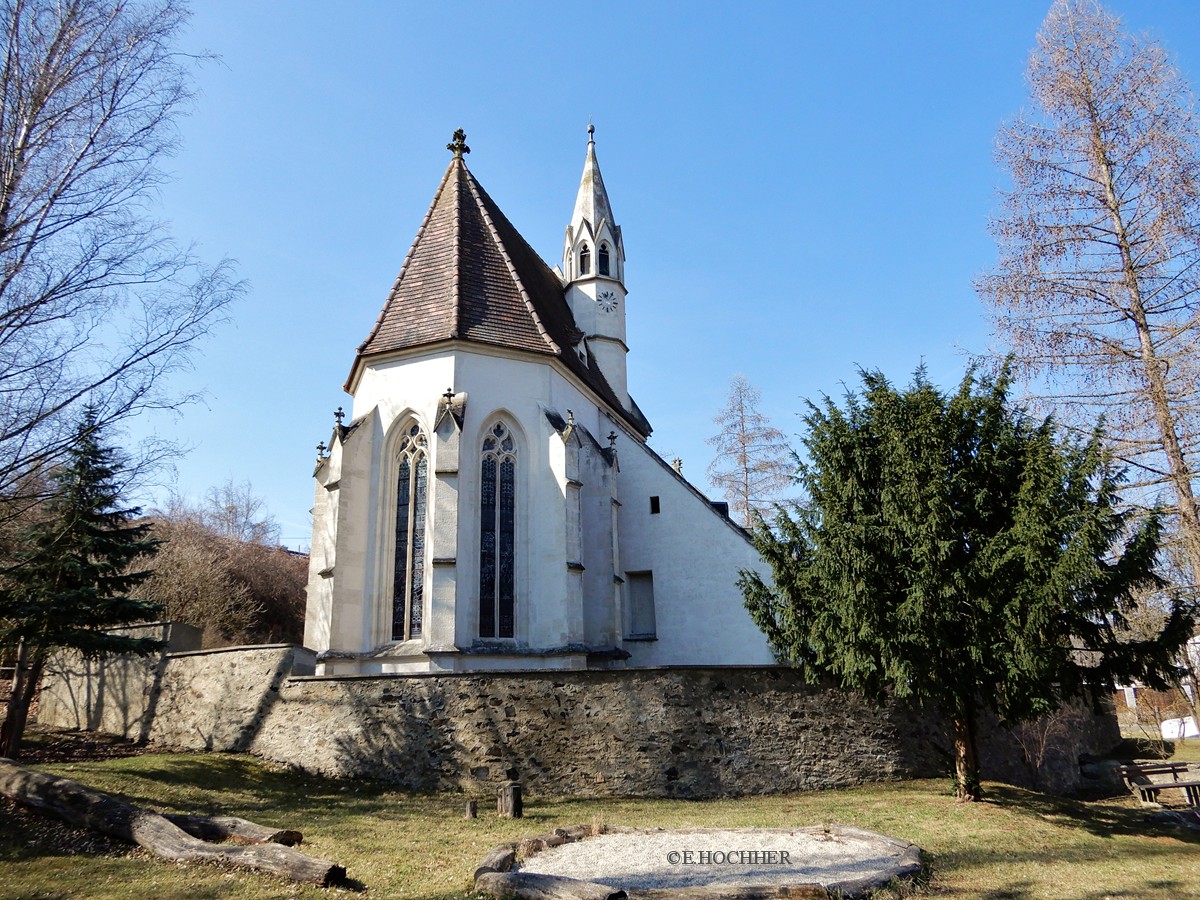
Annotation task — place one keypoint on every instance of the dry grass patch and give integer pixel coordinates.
(1017, 844)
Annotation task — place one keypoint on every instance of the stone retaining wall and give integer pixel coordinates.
(679, 732)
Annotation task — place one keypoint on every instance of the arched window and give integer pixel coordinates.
(409, 579)
(497, 523)
(602, 260)
(585, 260)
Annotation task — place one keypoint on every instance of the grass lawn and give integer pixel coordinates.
(1017, 844)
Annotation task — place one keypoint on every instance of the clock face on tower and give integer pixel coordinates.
(607, 300)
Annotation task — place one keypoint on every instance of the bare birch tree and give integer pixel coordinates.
(1095, 288)
(754, 464)
(97, 303)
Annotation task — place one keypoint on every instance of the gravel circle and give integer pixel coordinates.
(659, 859)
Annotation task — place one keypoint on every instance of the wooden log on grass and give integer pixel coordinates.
(528, 886)
(80, 805)
(231, 828)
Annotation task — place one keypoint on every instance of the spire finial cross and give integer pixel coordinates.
(459, 144)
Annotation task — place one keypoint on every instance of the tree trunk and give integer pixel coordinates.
(1154, 367)
(82, 806)
(26, 676)
(966, 756)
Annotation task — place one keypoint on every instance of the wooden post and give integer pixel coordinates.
(472, 809)
(508, 801)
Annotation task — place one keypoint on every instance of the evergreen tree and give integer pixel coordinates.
(955, 552)
(72, 576)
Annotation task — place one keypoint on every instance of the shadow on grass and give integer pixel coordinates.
(1101, 819)
(1024, 890)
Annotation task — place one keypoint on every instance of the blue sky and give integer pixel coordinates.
(804, 188)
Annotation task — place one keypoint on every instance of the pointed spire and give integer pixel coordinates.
(591, 205)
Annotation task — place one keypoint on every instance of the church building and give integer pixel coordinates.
(492, 503)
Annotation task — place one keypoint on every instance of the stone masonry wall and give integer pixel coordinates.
(116, 695)
(680, 732)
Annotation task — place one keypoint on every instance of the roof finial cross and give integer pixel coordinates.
(459, 144)
(339, 415)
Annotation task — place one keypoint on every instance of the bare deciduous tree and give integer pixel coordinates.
(1045, 737)
(97, 303)
(193, 579)
(1099, 246)
(218, 568)
(234, 511)
(753, 464)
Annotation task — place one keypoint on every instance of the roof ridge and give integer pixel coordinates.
(487, 218)
(456, 241)
(407, 259)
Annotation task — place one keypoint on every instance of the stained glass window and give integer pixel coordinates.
(409, 572)
(497, 534)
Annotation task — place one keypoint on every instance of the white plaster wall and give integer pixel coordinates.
(694, 555)
(322, 556)
(500, 385)
(362, 519)
(349, 616)
(518, 391)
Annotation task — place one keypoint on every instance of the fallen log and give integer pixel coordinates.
(530, 886)
(231, 828)
(80, 805)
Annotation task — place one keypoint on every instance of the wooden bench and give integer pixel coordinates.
(1137, 778)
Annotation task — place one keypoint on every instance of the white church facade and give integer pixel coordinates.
(492, 503)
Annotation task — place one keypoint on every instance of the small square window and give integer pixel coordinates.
(654, 506)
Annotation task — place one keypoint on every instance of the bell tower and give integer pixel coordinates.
(593, 267)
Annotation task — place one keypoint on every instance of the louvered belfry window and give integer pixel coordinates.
(408, 593)
(603, 259)
(497, 527)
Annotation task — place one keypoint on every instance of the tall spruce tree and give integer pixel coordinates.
(74, 569)
(952, 551)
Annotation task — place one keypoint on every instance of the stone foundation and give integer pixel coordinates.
(677, 732)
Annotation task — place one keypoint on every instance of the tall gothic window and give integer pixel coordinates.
(496, 533)
(602, 260)
(585, 260)
(409, 579)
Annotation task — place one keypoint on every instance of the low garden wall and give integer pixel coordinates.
(677, 732)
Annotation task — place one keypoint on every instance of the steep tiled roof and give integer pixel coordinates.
(469, 275)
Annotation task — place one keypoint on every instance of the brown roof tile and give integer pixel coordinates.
(470, 275)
